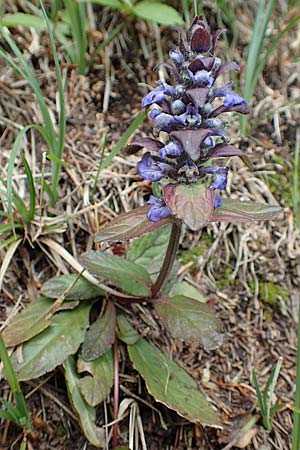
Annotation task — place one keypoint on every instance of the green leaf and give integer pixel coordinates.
(81, 290)
(125, 331)
(126, 275)
(28, 323)
(26, 20)
(129, 225)
(171, 385)
(159, 12)
(235, 211)
(194, 204)
(101, 334)
(85, 412)
(190, 320)
(96, 386)
(148, 250)
(51, 347)
(186, 289)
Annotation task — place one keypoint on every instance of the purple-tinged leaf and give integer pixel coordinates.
(146, 142)
(193, 204)
(216, 36)
(201, 41)
(191, 140)
(199, 96)
(235, 211)
(129, 225)
(202, 64)
(172, 70)
(101, 334)
(227, 150)
(189, 320)
(229, 66)
(242, 108)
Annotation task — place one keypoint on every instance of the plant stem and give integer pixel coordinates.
(296, 425)
(169, 259)
(116, 394)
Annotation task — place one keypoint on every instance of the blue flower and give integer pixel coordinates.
(221, 173)
(158, 210)
(190, 118)
(177, 57)
(158, 95)
(173, 149)
(217, 201)
(232, 100)
(166, 122)
(153, 168)
(201, 78)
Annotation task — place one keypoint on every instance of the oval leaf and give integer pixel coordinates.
(129, 225)
(190, 320)
(101, 334)
(50, 348)
(85, 412)
(235, 211)
(194, 204)
(81, 290)
(28, 323)
(126, 275)
(148, 250)
(126, 333)
(159, 12)
(171, 385)
(185, 288)
(96, 386)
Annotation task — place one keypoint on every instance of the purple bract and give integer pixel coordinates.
(188, 111)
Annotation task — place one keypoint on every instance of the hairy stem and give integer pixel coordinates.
(116, 394)
(169, 259)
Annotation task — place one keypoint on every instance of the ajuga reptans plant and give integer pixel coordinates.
(187, 161)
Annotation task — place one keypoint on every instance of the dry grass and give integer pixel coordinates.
(257, 333)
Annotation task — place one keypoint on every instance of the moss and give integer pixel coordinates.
(270, 293)
(279, 182)
(192, 255)
(224, 280)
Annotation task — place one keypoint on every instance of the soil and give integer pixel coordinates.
(250, 274)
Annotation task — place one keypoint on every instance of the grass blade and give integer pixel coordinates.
(57, 150)
(77, 16)
(22, 410)
(120, 144)
(31, 186)
(26, 72)
(260, 399)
